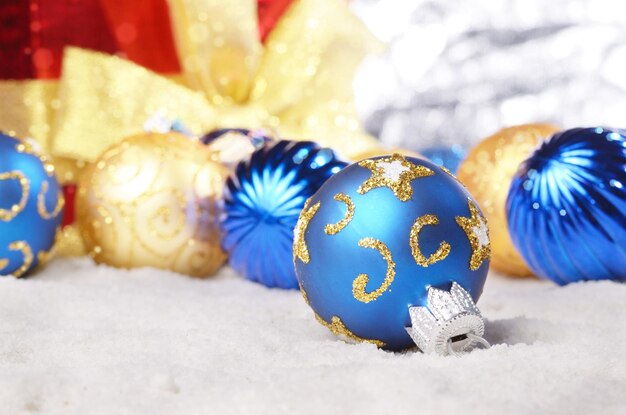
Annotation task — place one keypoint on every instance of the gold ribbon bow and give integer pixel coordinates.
(299, 83)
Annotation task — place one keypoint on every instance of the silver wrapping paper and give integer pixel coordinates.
(458, 70)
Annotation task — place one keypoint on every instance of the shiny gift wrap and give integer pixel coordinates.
(567, 206)
(298, 82)
(31, 206)
(152, 200)
(262, 201)
(487, 172)
(376, 236)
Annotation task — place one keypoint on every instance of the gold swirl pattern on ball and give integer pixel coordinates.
(27, 146)
(332, 229)
(27, 253)
(8, 214)
(339, 329)
(300, 249)
(41, 202)
(153, 201)
(360, 282)
(439, 255)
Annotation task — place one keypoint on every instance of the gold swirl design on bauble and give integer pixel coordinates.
(153, 200)
(360, 282)
(339, 329)
(332, 229)
(8, 214)
(41, 202)
(300, 249)
(27, 253)
(439, 255)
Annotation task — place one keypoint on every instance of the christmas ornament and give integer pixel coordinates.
(567, 204)
(31, 206)
(263, 199)
(152, 200)
(232, 145)
(394, 248)
(487, 172)
(448, 157)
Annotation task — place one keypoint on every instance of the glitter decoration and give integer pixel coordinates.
(487, 172)
(477, 232)
(264, 196)
(394, 172)
(334, 228)
(27, 257)
(300, 249)
(369, 273)
(31, 206)
(41, 203)
(566, 207)
(359, 285)
(8, 214)
(153, 200)
(442, 251)
(339, 329)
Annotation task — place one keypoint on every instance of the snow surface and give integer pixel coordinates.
(81, 339)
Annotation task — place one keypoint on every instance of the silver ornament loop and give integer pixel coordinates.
(449, 324)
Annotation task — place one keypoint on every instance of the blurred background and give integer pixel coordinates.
(456, 71)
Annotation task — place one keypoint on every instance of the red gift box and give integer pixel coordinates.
(33, 33)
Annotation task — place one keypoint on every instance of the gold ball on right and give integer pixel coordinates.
(487, 172)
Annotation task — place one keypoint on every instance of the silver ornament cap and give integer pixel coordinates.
(449, 324)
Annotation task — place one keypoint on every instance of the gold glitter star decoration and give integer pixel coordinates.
(477, 232)
(300, 249)
(394, 172)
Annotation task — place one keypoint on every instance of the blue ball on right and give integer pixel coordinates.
(567, 206)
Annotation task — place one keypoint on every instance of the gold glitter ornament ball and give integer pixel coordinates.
(153, 200)
(487, 172)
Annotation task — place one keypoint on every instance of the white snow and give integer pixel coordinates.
(81, 339)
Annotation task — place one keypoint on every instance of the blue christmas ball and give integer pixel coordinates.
(377, 235)
(449, 157)
(31, 206)
(262, 201)
(566, 206)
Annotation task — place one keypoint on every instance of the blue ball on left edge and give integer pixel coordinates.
(262, 201)
(31, 206)
(375, 237)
